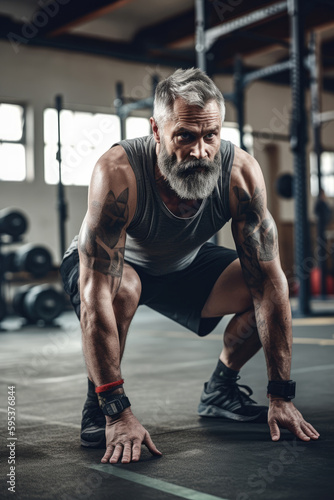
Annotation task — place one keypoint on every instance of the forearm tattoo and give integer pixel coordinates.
(101, 235)
(257, 241)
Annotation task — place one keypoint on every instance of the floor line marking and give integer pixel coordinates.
(157, 484)
(313, 369)
(307, 340)
(215, 336)
(313, 321)
(51, 380)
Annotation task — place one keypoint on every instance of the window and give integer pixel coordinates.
(84, 138)
(137, 127)
(12, 143)
(327, 173)
(230, 132)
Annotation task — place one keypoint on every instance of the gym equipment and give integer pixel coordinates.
(13, 222)
(34, 303)
(40, 302)
(36, 260)
(61, 202)
(124, 106)
(284, 185)
(205, 39)
(19, 298)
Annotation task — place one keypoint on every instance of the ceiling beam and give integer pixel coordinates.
(14, 33)
(179, 29)
(75, 13)
(168, 30)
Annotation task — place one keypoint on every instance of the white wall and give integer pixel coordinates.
(36, 75)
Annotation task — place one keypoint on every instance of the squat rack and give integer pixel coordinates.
(318, 119)
(295, 64)
(124, 106)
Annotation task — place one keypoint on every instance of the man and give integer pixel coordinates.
(153, 204)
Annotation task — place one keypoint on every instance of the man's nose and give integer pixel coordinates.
(199, 151)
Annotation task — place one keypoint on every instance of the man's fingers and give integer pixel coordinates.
(150, 445)
(117, 453)
(127, 453)
(274, 430)
(309, 430)
(312, 429)
(300, 434)
(136, 450)
(108, 453)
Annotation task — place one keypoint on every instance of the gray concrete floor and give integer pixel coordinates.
(164, 368)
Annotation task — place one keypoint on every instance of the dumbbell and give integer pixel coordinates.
(12, 222)
(19, 298)
(36, 260)
(41, 302)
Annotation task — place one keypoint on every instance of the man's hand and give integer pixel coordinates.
(284, 414)
(124, 437)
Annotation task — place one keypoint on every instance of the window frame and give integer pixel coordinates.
(73, 109)
(22, 141)
(313, 171)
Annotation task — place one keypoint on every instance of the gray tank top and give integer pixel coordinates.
(157, 240)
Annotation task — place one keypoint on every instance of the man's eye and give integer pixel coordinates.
(210, 136)
(185, 136)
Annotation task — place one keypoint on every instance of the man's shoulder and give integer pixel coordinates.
(114, 163)
(245, 168)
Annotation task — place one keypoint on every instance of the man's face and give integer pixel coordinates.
(189, 154)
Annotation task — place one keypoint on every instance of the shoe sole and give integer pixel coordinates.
(93, 444)
(215, 412)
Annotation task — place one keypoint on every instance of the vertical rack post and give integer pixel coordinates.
(200, 34)
(317, 148)
(298, 146)
(118, 104)
(239, 98)
(61, 203)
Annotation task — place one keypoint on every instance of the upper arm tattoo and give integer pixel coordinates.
(101, 235)
(256, 238)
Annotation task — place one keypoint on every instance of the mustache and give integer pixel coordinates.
(186, 168)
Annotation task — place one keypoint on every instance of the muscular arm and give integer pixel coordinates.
(255, 235)
(101, 250)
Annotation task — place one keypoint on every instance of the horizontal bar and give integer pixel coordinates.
(270, 136)
(8, 141)
(126, 109)
(212, 34)
(269, 70)
(229, 96)
(326, 116)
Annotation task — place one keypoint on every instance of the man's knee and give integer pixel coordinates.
(128, 295)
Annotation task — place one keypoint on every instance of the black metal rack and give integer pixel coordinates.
(124, 106)
(295, 64)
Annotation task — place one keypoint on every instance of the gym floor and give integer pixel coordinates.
(164, 367)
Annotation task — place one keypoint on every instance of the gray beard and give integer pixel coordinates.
(184, 177)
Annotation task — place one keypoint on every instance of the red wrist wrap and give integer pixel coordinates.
(106, 387)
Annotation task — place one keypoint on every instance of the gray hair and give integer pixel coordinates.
(192, 85)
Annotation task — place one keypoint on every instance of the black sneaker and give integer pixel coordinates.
(227, 400)
(93, 425)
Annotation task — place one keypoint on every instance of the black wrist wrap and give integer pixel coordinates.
(113, 404)
(282, 388)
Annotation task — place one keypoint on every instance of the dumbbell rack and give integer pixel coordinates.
(4, 241)
(40, 296)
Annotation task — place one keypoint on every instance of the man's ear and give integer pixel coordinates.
(155, 130)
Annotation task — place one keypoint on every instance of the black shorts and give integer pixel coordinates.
(180, 295)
